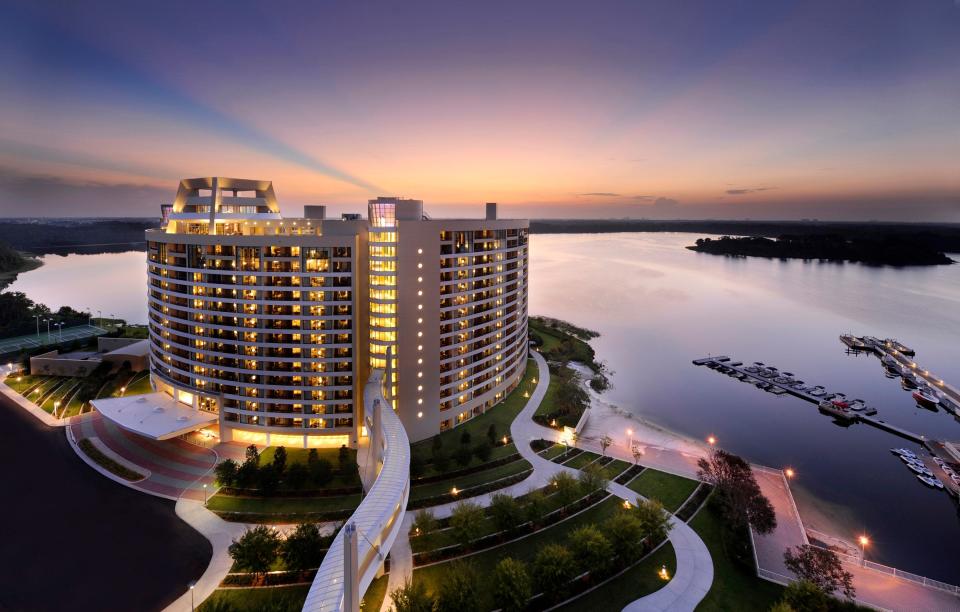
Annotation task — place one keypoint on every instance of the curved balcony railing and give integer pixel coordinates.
(377, 520)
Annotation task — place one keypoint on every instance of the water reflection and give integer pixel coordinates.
(658, 306)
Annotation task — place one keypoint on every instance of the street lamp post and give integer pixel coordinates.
(192, 584)
(630, 440)
(59, 326)
(204, 494)
(37, 317)
(49, 337)
(100, 318)
(864, 541)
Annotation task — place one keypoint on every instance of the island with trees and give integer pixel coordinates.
(887, 250)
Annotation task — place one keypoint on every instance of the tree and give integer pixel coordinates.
(592, 550)
(654, 519)
(459, 589)
(637, 454)
(280, 459)
(741, 501)
(465, 438)
(782, 606)
(321, 472)
(253, 455)
(297, 476)
(535, 506)
(247, 475)
(483, 450)
(411, 597)
(268, 479)
(820, 567)
(463, 455)
(312, 455)
(441, 461)
(804, 596)
(304, 548)
(226, 472)
(436, 444)
(342, 455)
(566, 487)
(553, 568)
(605, 443)
(592, 478)
(492, 434)
(512, 586)
(625, 532)
(466, 520)
(424, 522)
(570, 396)
(506, 511)
(256, 549)
(417, 466)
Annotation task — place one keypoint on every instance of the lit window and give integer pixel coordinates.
(419, 387)
(419, 279)
(419, 292)
(419, 265)
(419, 320)
(420, 401)
(419, 374)
(419, 415)
(419, 361)
(419, 334)
(419, 306)
(419, 251)
(419, 347)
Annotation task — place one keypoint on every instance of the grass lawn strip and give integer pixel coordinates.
(282, 505)
(640, 580)
(581, 460)
(615, 468)
(671, 490)
(300, 455)
(554, 451)
(470, 480)
(524, 549)
(501, 416)
(735, 586)
(250, 599)
(90, 450)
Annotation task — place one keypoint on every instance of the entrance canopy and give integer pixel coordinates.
(154, 415)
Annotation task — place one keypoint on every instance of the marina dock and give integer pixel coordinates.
(848, 412)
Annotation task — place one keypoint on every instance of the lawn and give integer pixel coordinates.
(671, 490)
(553, 349)
(554, 451)
(582, 460)
(500, 416)
(614, 469)
(735, 586)
(300, 455)
(470, 480)
(283, 505)
(640, 580)
(289, 598)
(524, 549)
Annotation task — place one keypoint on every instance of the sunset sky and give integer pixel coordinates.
(839, 109)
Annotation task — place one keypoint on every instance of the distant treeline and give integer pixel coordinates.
(63, 236)
(939, 237)
(17, 313)
(10, 259)
(889, 250)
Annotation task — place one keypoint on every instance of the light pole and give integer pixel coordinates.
(59, 327)
(864, 541)
(204, 494)
(630, 440)
(37, 317)
(49, 337)
(711, 440)
(56, 405)
(99, 318)
(192, 584)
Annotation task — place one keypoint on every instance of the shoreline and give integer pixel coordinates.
(30, 262)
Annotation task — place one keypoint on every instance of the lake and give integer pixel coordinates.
(658, 306)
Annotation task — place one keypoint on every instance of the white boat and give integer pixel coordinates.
(930, 481)
(925, 396)
(903, 452)
(922, 471)
(818, 392)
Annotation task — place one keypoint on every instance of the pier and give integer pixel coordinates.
(770, 379)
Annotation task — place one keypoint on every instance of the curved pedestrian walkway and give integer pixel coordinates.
(694, 574)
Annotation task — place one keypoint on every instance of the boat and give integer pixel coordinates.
(903, 452)
(737, 363)
(899, 346)
(910, 381)
(763, 385)
(930, 481)
(752, 369)
(913, 467)
(858, 405)
(776, 390)
(713, 365)
(818, 391)
(758, 363)
(841, 404)
(925, 397)
(912, 461)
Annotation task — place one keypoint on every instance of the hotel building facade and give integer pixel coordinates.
(275, 324)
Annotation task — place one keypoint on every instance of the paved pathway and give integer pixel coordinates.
(873, 587)
(694, 573)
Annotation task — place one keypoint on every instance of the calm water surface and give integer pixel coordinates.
(658, 306)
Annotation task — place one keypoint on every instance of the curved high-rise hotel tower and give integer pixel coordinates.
(275, 323)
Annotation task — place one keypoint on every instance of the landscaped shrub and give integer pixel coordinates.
(566, 486)
(512, 585)
(463, 455)
(321, 472)
(226, 472)
(256, 550)
(591, 549)
(553, 569)
(506, 511)
(460, 589)
(483, 450)
(303, 548)
(424, 522)
(412, 597)
(625, 532)
(466, 520)
(297, 476)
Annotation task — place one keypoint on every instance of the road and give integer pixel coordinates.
(74, 540)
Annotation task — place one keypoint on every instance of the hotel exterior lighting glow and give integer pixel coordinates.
(275, 324)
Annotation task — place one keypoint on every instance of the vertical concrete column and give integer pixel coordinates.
(351, 573)
(375, 437)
